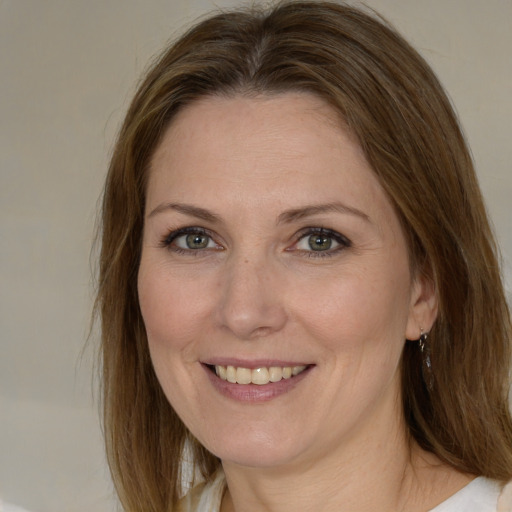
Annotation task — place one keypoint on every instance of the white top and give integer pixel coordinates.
(480, 495)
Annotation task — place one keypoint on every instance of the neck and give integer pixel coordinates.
(326, 484)
(386, 474)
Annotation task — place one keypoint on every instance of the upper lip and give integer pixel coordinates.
(252, 364)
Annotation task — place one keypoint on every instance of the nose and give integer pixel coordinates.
(251, 299)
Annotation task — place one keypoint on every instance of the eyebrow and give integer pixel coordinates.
(286, 217)
(186, 209)
(316, 209)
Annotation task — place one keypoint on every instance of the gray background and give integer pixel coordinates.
(67, 71)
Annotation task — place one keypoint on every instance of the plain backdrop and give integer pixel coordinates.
(67, 71)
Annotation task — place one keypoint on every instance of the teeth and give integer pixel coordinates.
(222, 372)
(275, 373)
(259, 376)
(243, 376)
(230, 374)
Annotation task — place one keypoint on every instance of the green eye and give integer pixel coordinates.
(192, 240)
(320, 242)
(197, 241)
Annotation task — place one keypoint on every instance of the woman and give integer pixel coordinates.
(299, 288)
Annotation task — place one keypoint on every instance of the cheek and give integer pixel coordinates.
(170, 316)
(358, 307)
(171, 308)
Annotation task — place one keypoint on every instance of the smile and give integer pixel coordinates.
(258, 376)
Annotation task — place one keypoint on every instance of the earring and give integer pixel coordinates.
(426, 368)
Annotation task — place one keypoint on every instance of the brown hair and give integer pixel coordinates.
(391, 100)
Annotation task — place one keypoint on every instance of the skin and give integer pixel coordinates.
(258, 293)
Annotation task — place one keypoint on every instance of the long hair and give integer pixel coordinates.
(391, 100)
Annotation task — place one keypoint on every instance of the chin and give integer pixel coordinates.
(256, 449)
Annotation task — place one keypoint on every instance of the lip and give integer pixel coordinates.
(254, 393)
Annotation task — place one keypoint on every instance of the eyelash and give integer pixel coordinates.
(343, 241)
(167, 242)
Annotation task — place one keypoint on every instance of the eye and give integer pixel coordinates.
(321, 242)
(190, 240)
(317, 243)
(193, 241)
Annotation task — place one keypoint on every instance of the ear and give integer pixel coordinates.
(423, 306)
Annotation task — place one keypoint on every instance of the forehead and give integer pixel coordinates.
(284, 150)
(245, 109)
(271, 132)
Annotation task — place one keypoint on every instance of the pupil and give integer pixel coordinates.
(197, 241)
(320, 243)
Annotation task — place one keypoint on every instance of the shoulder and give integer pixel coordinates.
(204, 497)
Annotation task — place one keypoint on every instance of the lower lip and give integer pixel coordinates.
(254, 392)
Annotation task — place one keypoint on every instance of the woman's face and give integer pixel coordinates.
(269, 250)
